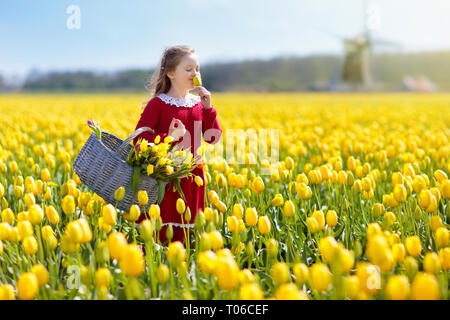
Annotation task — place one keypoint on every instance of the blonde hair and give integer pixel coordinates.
(159, 82)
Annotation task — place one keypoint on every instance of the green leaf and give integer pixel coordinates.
(135, 179)
(161, 191)
(176, 182)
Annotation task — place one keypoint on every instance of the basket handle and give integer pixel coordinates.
(131, 137)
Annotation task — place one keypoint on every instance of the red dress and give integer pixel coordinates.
(158, 115)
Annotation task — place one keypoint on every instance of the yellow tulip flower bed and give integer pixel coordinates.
(354, 206)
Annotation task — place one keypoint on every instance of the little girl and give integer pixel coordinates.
(176, 112)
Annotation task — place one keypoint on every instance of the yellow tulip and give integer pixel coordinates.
(227, 273)
(25, 229)
(181, 206)
(288, 209)
(176, 253)
(398, 288)
(142, 197)
(280, 273)
(328, 248)
(29, 200)
(8, 216)
(425, 287)
(251, 216)
(431, 262)
(400, 193)
(132, 261)
(445, 189)
(155, 211)
(216, 240)
(432, 207)
(331, 218)
(198, 180)
(206, 261)
(52, 215)
(68, 205)
(289, 291)
(342, 177)
(221, 206)
(258, 185)
(345, 259)
(435, 223)
(312, 224)
(413, 246)
(135, 212)
(264, 225)
(27, 286)
(436, 193)
(162, 273)
(90, 208)
(239, 181)
(398, 252)
(251, 291)
(369, 278)
(45, 175)
(7, 292)
(301, 273)
(36, 214)
(320, 218)
(440, 175)
(30, 245)
(277, 201)
(41, 274)
(5, 231)
(373, 229)
(442, 237)
(302, 178)
(146, 230)
(320, 277)
(103, 226)
(397, 178)
(351, 286)
(232, 223)
(109, 214)
(238, 210)
(116, 245)
(444, 258)
(419, 184)
(103, 277)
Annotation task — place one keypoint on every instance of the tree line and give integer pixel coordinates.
(273, 75)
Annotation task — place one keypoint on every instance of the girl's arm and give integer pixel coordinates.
(210, 126)
(150, 118)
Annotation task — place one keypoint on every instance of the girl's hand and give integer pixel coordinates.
(205, 96)
(176, 129)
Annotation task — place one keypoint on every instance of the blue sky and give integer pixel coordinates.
(118, 34)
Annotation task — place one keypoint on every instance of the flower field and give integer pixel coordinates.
(356, 206)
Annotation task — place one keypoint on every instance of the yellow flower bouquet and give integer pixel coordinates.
(162, 160)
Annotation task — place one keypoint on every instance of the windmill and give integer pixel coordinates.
(355, 73)
(356, 70)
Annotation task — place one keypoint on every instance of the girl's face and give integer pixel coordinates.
(185, 72)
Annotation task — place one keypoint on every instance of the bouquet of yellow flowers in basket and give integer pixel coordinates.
(163, 161)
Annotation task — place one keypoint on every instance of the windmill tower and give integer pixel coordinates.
(355, 73)
(356, 70)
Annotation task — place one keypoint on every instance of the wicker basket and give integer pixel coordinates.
(101, 165)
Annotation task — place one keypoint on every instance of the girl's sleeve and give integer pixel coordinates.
(150, 118)
(210, 122)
